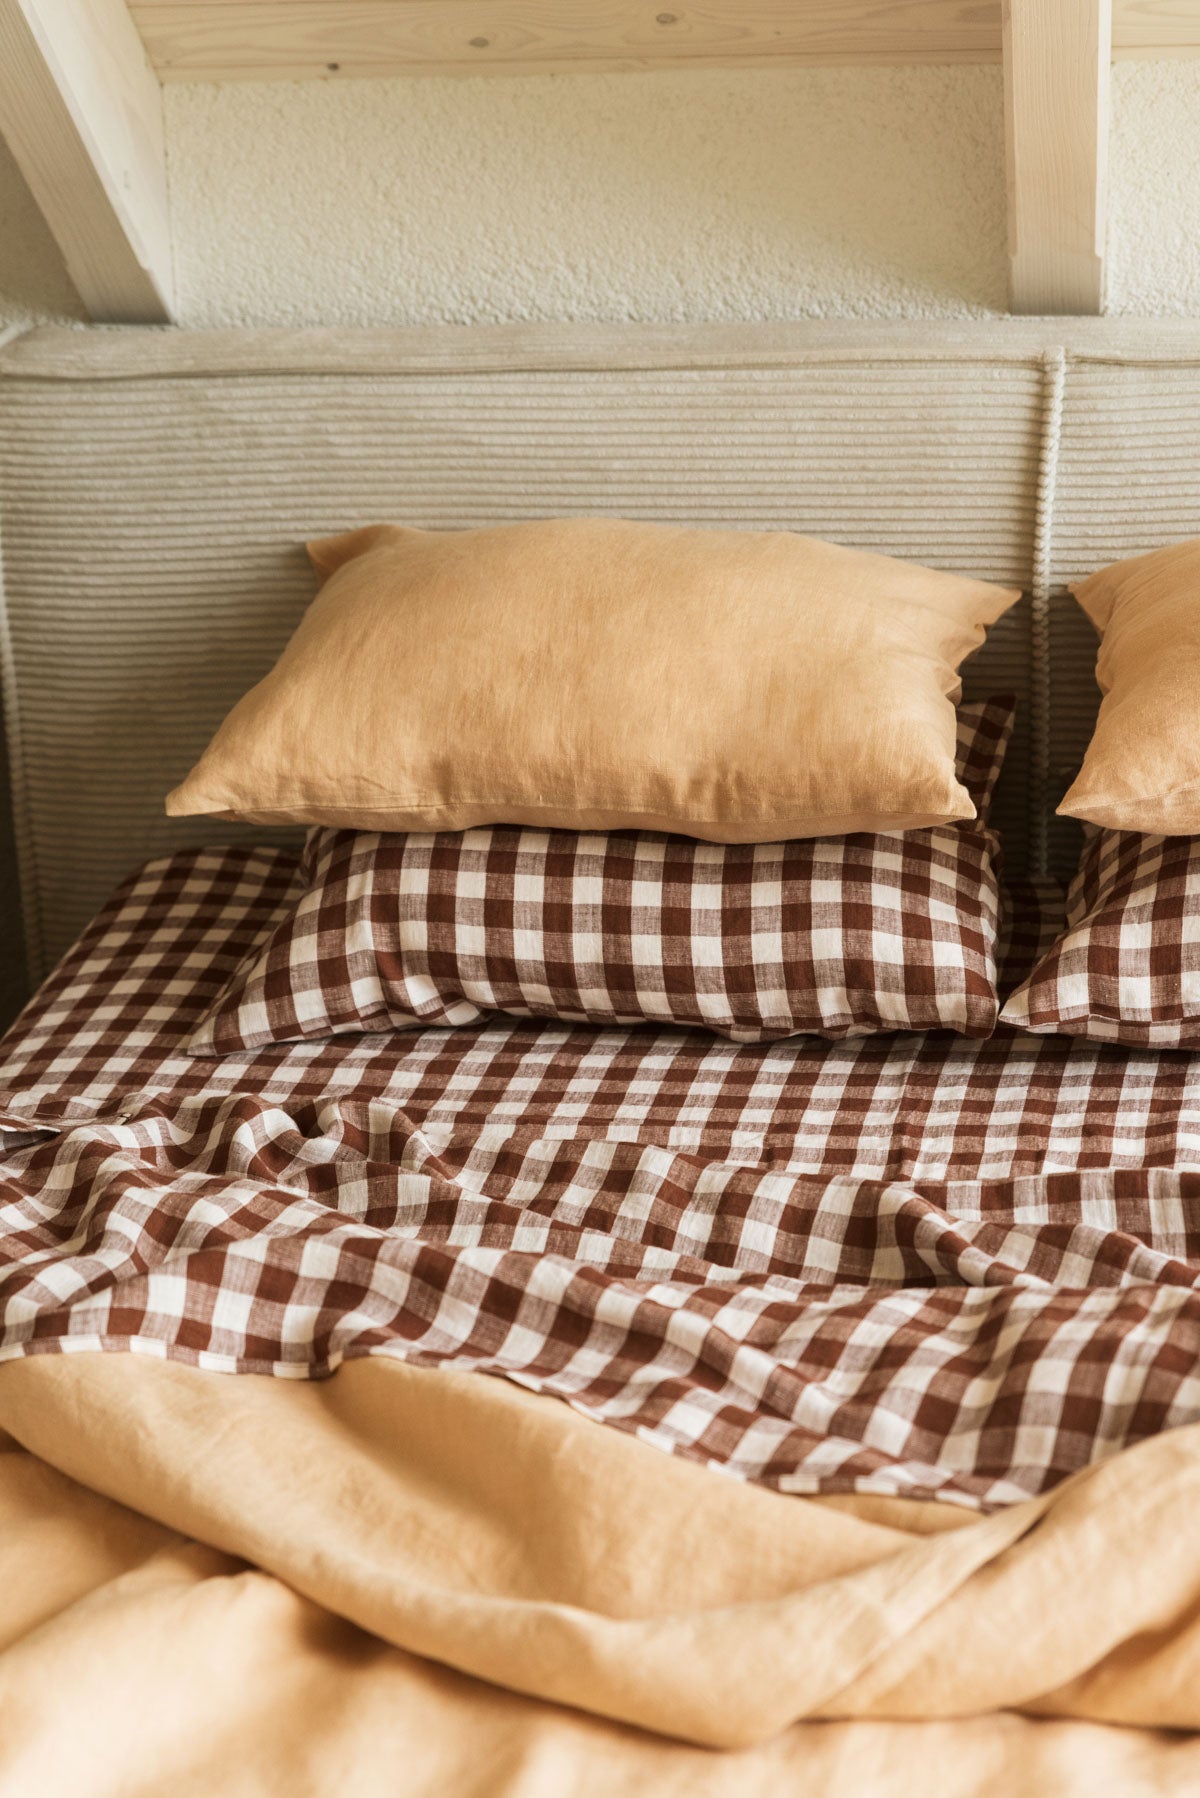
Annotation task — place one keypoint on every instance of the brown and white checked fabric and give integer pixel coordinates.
(1127, 967)
(105, 1035)
(835, 936)
(916, 1264)
(976, 1341)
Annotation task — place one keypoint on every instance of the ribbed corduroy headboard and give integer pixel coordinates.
(156, 488)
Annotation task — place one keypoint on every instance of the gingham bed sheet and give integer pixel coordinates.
(914, 1265)
(106, 1030)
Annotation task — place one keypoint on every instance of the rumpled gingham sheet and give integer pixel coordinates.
(914, 1265)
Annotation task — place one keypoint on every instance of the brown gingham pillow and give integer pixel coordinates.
(833, 936)
(1127, 967)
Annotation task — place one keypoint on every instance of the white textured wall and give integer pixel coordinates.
(756, 194)
(752, 194)
(1154, 203)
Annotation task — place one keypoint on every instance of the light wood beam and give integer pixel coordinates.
(1149, 28)
(1057, 57)
(81, 111)
(294, 40)
(256, 40)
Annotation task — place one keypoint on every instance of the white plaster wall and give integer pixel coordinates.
(667, 196)
(752, 194)
(1154, 199)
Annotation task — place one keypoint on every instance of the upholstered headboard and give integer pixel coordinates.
(156, 488)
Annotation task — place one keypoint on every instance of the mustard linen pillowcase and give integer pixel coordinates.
(592, 673)
(1142, 767)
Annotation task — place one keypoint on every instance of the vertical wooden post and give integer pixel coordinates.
(1057, 57)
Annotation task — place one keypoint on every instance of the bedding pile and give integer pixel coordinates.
(913, 1264)
(729, 1144)
(865, 1270)
(829, 936)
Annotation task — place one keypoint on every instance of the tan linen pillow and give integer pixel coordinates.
(1142, 767)
(591, 673)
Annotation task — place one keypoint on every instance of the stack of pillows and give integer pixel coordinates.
(1127, 969)
(613, 773)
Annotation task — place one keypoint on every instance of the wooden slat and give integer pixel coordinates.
(1144, 28)
(81, 110)
(1056, 78)
(255, 40)
(291, 40)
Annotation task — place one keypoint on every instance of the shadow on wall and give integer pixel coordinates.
(34, 288)
(14, 973)
(34, 283)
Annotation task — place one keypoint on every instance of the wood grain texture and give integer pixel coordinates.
(291, 40)
(229, 40)
(1146, 28)
(81, 110)
(1057, 60)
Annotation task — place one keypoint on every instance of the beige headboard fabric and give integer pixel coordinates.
(156, 488)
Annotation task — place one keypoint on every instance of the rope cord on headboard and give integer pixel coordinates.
(1055, 365)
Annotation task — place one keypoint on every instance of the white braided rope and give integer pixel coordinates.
(1055, 363)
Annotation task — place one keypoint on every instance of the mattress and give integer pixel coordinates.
(913, 1266)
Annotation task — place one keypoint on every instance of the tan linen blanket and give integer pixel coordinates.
(406, 1580)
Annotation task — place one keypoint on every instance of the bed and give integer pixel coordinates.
(931, 1302)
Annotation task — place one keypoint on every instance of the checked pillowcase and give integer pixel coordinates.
(1127, 967)
(829, 936)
